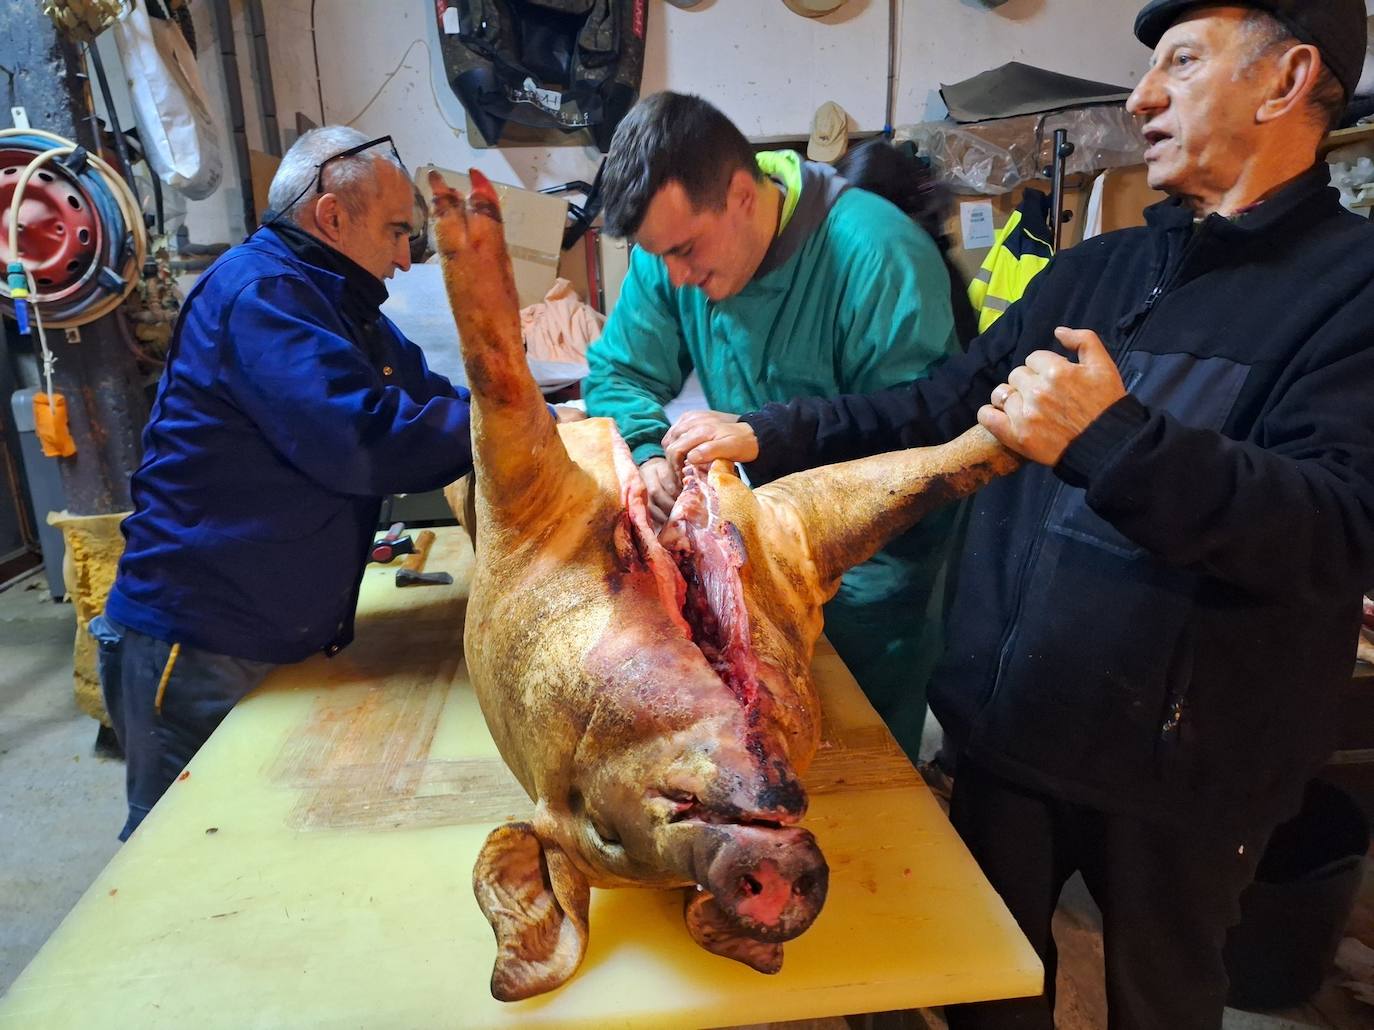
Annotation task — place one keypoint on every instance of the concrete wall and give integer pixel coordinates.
(767, 67)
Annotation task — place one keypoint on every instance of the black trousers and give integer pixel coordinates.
(1167, 897)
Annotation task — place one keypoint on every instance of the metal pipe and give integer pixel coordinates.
(121, 145)
(158, 204)
(891, 68)
(224, 32)
(1063, 149)
(262, 68)
(315, 49)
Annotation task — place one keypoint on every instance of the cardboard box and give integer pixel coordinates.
(1126, 195)
(615, 264)
(261, 167)
(534, 230)
(969, 261)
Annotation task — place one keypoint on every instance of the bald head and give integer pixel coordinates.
(298, 179)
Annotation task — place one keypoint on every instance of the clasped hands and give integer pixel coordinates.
(1046, 403)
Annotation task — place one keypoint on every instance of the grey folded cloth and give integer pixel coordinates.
(1017, 88)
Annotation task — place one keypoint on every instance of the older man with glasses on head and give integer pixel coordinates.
(289, 407)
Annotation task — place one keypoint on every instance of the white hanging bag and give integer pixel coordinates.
(170, 105)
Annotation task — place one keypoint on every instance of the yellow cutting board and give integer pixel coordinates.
(313, 869)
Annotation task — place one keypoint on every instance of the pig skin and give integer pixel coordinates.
(659, 752)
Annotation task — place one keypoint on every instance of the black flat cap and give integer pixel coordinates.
(1335, 27)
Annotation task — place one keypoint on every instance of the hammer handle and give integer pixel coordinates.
(415, 562)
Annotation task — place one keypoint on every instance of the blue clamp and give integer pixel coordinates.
(19, 292)
(110, 280)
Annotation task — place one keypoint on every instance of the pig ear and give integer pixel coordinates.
(536, 901)
(709, 928)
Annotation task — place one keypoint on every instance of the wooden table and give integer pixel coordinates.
(313, 869)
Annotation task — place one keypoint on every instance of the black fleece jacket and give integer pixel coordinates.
(1159, 625)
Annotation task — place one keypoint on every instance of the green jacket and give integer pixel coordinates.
(852, 297)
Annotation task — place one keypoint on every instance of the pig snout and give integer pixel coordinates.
(771, 883)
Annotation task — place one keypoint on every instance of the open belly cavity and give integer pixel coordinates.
(709, 554)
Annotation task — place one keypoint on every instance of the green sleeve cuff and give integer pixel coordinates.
(645, 451)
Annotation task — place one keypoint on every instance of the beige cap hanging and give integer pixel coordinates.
(814, 8)
(829, 133)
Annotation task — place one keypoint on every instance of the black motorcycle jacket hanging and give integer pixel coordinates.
(564, 64)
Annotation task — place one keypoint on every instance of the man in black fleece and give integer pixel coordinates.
(1153, 617)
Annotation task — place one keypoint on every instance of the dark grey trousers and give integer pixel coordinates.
(1167, 895)
(159, 741)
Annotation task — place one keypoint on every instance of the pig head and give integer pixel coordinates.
(650, 691)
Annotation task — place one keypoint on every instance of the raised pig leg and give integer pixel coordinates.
(522, 462)
(852, 509)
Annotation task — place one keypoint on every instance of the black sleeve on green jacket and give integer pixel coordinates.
(811, 431)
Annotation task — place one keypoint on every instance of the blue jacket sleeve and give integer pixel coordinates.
(322, 406)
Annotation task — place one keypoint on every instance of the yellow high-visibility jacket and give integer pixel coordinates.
(1019, 253)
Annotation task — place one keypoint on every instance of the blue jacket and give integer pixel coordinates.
(290, 405)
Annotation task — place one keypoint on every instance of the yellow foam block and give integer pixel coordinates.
(94, 546)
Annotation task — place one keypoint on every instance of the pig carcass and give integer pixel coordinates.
(650, 691)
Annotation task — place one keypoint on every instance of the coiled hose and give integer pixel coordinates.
(123, 242)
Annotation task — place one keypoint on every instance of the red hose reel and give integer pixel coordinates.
(61, 228)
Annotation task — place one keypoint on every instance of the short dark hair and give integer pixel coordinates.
(1327, 99)
(671, 137)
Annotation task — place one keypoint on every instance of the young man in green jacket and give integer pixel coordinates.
(773, 279)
